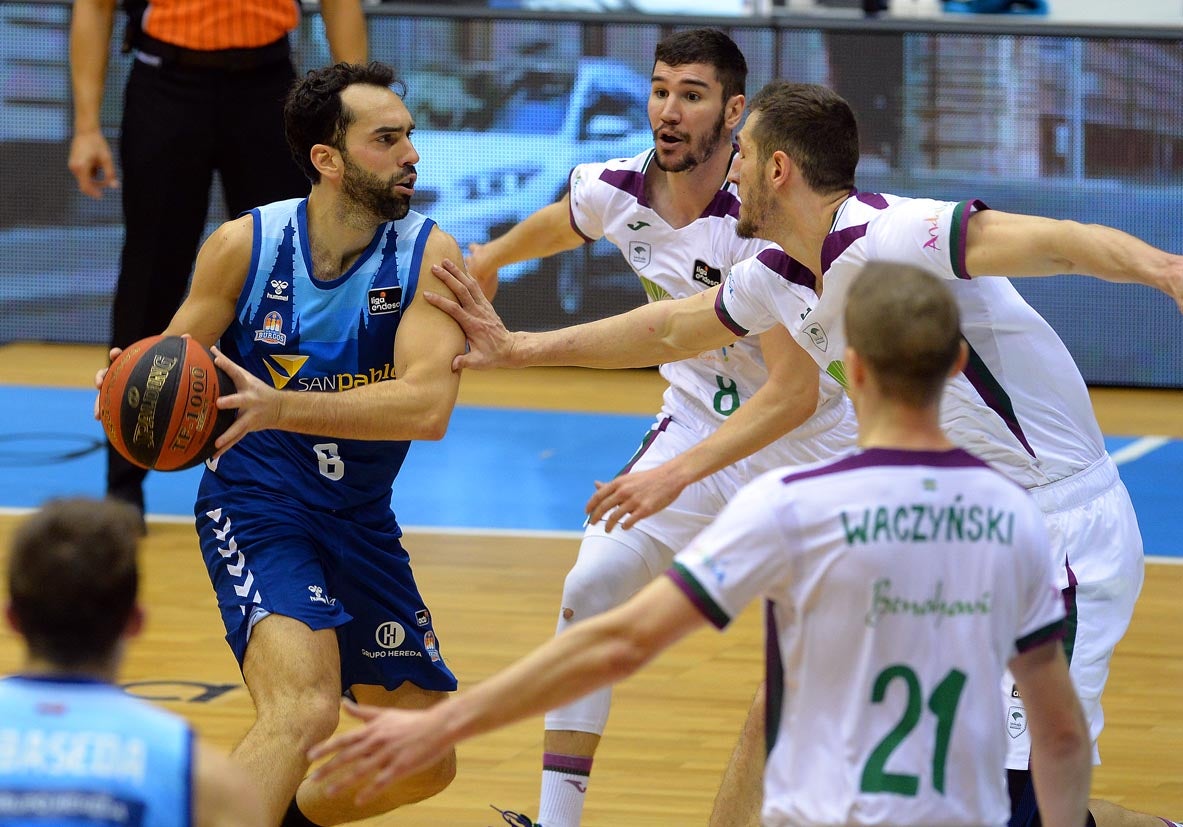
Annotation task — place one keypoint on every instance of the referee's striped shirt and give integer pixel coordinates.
(206, 25)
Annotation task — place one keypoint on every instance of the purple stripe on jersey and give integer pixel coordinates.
(628, 181)
(959, 233)
(1053, 631)
(1073, 619)
(838, 242)
(571, 213)
(725, 317)
(994, 395)
(724, 204)
(887, 457)
(774, 678)
(871, 199)
(646, 444)
(787, 267)
(570, 764)
(1070, 592)
(696, 594)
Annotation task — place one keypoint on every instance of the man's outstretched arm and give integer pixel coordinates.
(1009, 244)
(601, 650)
(663, 331)
(541, 234)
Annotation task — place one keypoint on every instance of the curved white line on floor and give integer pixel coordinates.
(1139, 448)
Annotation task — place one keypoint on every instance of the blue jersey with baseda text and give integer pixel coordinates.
(79, 753)
(303, 335)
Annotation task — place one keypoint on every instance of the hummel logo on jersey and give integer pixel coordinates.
(318, 595)
(706, 274)
(638, 225)
(278, 287)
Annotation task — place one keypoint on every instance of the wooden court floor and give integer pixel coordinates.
(496, 596)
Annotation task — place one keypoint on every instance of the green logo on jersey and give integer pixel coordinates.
(638, 225)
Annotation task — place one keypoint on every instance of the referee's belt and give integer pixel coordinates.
(158, 53)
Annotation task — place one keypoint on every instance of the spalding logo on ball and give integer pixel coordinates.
(157, 403)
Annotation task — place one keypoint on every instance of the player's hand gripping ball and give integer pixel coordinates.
(157, 403)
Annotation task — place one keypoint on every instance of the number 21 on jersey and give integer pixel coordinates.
(942, 702)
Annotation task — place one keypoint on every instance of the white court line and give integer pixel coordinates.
(180, 519)
(1139, 448)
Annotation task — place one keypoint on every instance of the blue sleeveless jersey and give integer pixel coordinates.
(298, 334)
(79, 753)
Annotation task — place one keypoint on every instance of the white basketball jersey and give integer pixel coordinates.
(608, 200)
(900, 584)
(1021, 403)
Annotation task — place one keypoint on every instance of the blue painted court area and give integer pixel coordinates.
(499, 469)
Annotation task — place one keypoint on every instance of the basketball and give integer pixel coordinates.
(157, 403)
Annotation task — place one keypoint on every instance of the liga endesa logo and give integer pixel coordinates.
(385, 300)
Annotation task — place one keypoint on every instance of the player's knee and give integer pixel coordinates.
(589, 591)
(606, 574)
(320, 716)
(311, 714)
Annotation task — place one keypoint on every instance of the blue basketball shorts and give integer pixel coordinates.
(343, 570)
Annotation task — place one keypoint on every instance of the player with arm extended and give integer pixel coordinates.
(728, 414)
(901, 582)
(1020, 403)
(338, 364)
(72, 599)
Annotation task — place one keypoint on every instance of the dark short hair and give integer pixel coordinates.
(72, 578)
(903, 322)
(314, 114)
(709, 46)
(812, 125)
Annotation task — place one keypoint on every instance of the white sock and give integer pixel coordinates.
(564, 786)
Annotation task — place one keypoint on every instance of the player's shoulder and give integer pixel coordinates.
(230, 248)
(440, 244)
(637, 162)
(237, 229)
(616, 176)
(893, 461)
(276, 214)
(886, 209)
(774, 263)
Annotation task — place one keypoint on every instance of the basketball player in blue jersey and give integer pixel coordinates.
(339, 364)
(727, 415)
(75, 749)
(1020, 404)
(887, 645)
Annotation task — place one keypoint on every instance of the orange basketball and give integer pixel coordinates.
(157, 403)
